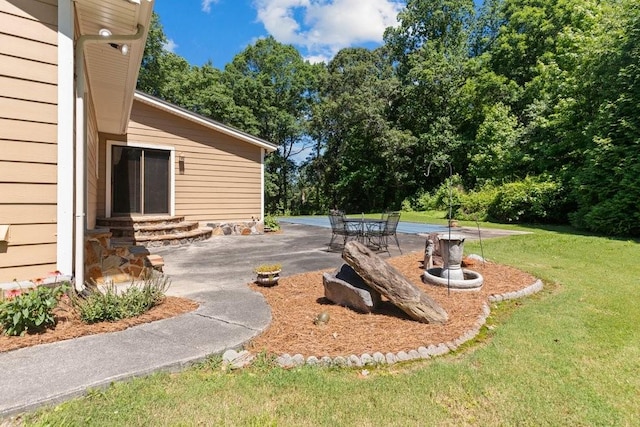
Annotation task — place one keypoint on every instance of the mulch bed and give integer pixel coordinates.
(297, 300)
(69, 325)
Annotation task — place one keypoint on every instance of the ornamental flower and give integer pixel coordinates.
(12, 293)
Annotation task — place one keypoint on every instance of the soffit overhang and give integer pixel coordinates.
(111, 76)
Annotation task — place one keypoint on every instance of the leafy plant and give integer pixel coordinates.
(474, 205)
(529, 200)
(110, 304)
(271, 222)
(446, 195)
(268, 268)
(30, 311)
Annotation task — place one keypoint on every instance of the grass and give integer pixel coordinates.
(567, 356)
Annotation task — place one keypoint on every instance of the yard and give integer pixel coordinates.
(566, 356)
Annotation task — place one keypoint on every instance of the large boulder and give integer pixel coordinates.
(345, 287)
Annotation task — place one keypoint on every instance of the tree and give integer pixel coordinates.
(150, 78)
(430, 50)
(170, 77)
(273, 82)
(496, 152)
(607, 185)
(365, 163)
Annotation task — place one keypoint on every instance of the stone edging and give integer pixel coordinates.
(241, 359)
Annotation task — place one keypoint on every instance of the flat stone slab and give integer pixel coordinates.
(345, 287)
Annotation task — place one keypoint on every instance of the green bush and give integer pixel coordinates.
(474, 206)
(445, 196)
(530, 200)
(421, 202)
(407, 205)
(271, 222)
(109, 304)
(31, 311)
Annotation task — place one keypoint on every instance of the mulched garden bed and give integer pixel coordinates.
(297, 300)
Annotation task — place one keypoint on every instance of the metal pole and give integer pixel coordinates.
(450, 210)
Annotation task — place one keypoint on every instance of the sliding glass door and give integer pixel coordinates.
(140, 180)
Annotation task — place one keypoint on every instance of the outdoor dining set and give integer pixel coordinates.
(374, 232)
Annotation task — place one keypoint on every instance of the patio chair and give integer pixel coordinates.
(340, 228)
(380, 236)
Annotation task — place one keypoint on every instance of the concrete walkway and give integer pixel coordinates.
(214, 273)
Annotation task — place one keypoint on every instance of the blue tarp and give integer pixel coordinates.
(403, 226)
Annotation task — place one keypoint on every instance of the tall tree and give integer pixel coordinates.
(150, 78)
(430, 48)
(364, 162)
(273, 82)
(607, 183)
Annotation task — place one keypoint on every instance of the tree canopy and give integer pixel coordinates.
(538, 94)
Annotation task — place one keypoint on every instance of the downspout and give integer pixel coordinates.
(263, 153)
(81, 142)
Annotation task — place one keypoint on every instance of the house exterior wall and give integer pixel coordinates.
(28, 137)
(221, 176)
(92, 165)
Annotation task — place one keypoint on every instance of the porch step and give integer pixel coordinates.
(138, 220)
(159, 229)
(153, 231)
(175, 238)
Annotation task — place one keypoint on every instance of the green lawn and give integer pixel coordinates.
(567, 356)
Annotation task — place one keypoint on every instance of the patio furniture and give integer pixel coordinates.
(379, 236)
(340, 226)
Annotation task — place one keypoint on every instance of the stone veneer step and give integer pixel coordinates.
(160, 229)
(172, 239)
(138, 220)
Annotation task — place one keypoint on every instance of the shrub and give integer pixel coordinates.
(407, 205)
(474, 206)
(30, 311)
(109, 304)
(423, 201)
(529, 200)
(271, 222)
(445, 196)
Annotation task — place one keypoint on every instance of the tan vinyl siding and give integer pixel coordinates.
(28, 132)
(92, 161)
(222, 175)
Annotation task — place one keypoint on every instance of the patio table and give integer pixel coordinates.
(364, 226)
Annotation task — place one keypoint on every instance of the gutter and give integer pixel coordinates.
(81, 143)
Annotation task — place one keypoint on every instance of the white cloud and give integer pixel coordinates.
(323, 27)
(206, 5)
(170, 46)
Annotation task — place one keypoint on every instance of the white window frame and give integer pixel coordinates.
(133, 144)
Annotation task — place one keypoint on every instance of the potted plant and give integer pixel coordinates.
(268, 274)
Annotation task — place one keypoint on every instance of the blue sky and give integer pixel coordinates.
(217, 30)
